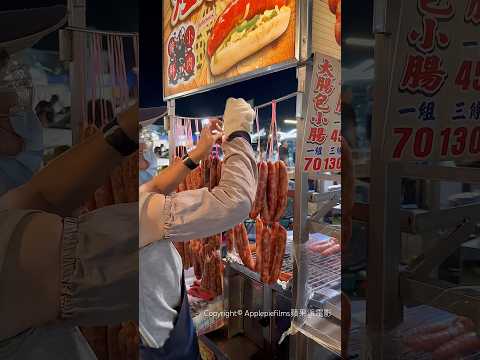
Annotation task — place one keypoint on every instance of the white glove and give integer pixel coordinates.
(238, 116)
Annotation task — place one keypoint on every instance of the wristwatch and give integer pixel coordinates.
(189, 163)
(116, 138)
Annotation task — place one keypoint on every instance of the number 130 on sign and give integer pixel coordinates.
(317, 164)
(460, 141)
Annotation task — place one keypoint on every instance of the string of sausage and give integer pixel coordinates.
(278, 244)
(203, 255)
(270, 201)
(336, 9)
(243, 248)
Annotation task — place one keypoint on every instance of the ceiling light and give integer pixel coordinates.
(289, 121)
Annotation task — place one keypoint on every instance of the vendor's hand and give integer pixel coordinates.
(238, 116)
(208, 137)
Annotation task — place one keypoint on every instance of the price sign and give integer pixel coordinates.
(322, 140)
(434, 99)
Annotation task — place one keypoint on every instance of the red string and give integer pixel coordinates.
(258, 135)
(274, 120)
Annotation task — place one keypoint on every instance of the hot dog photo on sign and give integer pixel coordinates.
(210, 41)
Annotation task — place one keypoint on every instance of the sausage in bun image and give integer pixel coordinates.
(245, 27)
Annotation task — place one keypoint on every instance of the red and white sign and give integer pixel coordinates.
(434, 99)
(322, 141)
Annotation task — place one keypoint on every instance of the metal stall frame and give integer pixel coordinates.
(389, 288)
(299, 342)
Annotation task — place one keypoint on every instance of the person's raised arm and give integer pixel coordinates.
(167, 180)
(67, 181)
(200, 213)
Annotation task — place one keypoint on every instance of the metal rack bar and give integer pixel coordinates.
(283, 98)
(102, 32)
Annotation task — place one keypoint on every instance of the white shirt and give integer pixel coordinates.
(186, 216)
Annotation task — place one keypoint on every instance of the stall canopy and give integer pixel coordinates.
(21, 29)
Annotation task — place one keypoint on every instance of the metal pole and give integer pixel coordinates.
(384, 309)
(171, 140)
(300, 226)
(77, 19)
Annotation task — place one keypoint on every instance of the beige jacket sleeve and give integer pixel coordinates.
(200, 213)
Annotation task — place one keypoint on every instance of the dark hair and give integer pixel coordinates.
(98, 111)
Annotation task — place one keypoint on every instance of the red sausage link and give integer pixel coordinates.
(258, 248)
(246, 248)
(429, 342)
(266, 247)
(188, 256)
(243, 248)
(333, 4)
(280, 240)
(272, 186)
(233, 15)
(218, 274)
(282, 197)
(266, 212)
(230, 240)
(331, 250)
(197, 268)
(188, 182)
(261, 189)
(462, 345)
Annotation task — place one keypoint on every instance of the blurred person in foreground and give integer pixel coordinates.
(166, 327)
(58, 271)
(148, 163)
(21, 132)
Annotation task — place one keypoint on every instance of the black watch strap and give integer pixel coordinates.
(188, 162)
(242, 134)
(116, 138)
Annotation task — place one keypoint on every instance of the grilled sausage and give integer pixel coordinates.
(272, 185)
(241, 241)
(230, 240)
(461, 345)
(258, 249)
(261, 189)
(430, 341)
(282, 195)
(266, 247)
(279, 238)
